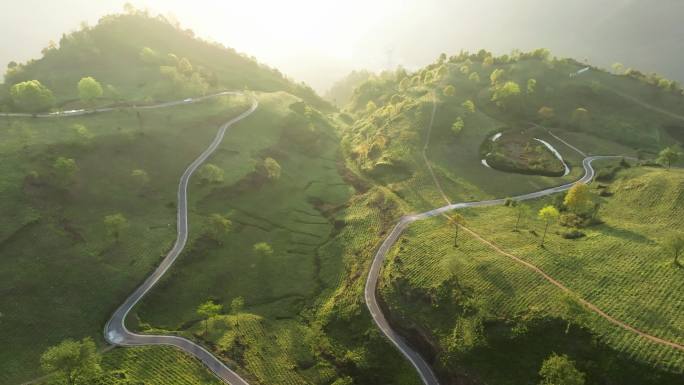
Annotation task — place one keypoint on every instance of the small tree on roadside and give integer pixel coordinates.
(579, 198)
(548, 214)
(273, 169)
(618, 68)
(211, 173)
(115, 225)
(77, 362)
(218, 227)
(474, 77)
(674, 244)
(449, 90)
(371, 107)
(668, 156)
(32, 96)
(531, 86)
(208, 310)
(456, 220)
(89, 89)
(560, 370)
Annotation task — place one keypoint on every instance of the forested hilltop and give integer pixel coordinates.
(137, 57)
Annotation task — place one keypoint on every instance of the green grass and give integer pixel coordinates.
(68, 283)
(619, 266)
(153, 365)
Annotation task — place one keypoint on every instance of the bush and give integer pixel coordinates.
(572, 234)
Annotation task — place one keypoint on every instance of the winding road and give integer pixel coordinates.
(115, 331)
(424, 371)
(370, 291)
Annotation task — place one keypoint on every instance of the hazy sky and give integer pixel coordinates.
(320, 41)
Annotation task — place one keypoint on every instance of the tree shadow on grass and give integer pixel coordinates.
(492, 274)
(624, 234)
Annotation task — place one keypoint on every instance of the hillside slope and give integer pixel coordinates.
(139, 57)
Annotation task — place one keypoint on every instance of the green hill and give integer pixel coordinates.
(310, 195)
(139, 58)
(470, 307)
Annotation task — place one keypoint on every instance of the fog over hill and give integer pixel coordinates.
(320, 41)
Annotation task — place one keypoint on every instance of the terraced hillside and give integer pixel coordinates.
(464, 304)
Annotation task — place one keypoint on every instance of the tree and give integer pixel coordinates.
(449, 90)
(531, 86)
(668, 156)
(237, 304)
(469, 106)
(457, 220)
(579, 198)
(458, 125)
(674, 244)
(184, 67)
(505, 93)
(618, 68)
(218, 227)
(560, 370)
(548, 214)
(208, 310)
(523, 211)
(76, 361)
(211, 173)
(140, 177)
(263, 249)
(32, 96)
(371, 107)
(115, 225)
(84, 135)
(580, 117)
(272, 168)
(496, 76)
(89, 89)
(65, 169)
(474, 77)
(546, 113)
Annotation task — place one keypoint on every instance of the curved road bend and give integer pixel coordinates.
(115, 330)
(424, 371)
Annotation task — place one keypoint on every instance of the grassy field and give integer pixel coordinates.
(430, 287)
(68, 283)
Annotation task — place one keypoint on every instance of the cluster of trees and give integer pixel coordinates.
(180, 76)
(32, 96)
(75, 362)
(653, 78)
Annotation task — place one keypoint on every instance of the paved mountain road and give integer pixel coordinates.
(115, 330)
(424, 371)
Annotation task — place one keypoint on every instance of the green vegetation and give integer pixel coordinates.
(31, 96)
(519, 152)
(89, 89)
(487, 316)
(287, 214)
(559, 370)
(137, 58)
(77, 362)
